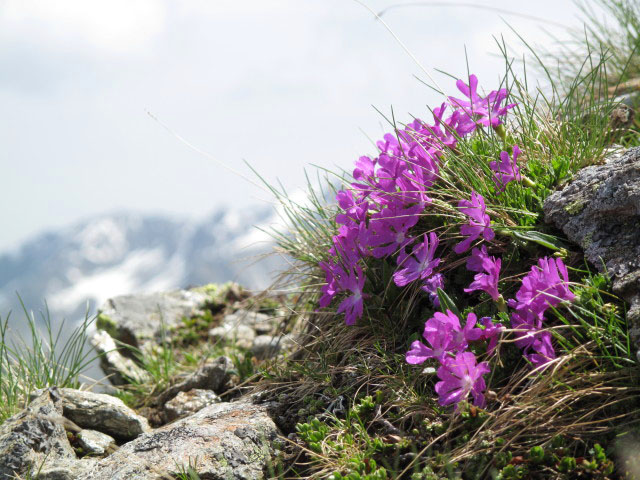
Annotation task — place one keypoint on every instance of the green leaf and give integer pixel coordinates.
(446, 303)
(548, 241)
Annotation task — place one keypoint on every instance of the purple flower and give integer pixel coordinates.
(347, 245)
(488, 281)
(421, 175)
(491, 332)
(477, 110)
(418, 265)
(352, 306)
(440, 338)
(333, 274)
(479, 222)
(461, 376)
(547, 284)
(355, 209)
(431, 286)
(506, 170)
(529, 337)
(445, 336)
(389, 229)
(460, 336)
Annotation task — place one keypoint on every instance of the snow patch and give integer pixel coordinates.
(124, 278)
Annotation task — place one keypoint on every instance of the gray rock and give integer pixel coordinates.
(187, 403)
(241, 335)
(213, 375)
(222, 441)
(36, 440)
(259, 322)
(267, 346)
(102, 412)
(120, 370)
(142, 320)
(93, 442)
(600, 211)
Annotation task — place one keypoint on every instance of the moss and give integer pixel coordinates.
(104, 322)
(575, 207)
(587, 240)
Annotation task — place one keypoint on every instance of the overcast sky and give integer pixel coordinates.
(282, 84)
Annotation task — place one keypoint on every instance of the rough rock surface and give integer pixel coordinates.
(213, 375)
(261, 323)
(242, 335)
(600, 211)
(119, 369)
(265, 346)
(93, 442)
(224, 441)
(35, 439)
(102, 412)
(140, 320)
(187, 403)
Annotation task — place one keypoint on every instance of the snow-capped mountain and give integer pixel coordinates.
(124, 253)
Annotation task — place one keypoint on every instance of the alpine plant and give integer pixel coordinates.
(377, 214)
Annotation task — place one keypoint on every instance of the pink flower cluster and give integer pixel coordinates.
(376, 218)
(460, 373)
(390, 193)
(546, 285)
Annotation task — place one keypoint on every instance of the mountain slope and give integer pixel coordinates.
(125, 253)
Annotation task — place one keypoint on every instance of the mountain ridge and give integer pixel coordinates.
(83, 264)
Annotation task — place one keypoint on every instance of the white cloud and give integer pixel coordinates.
(114, 26)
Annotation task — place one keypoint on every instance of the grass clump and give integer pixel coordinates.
(46, 359)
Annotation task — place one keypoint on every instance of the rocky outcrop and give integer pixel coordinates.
(225, 440)
(35, 440)
(600, 211)
(142, 320)
(221, 440)
(148, 322)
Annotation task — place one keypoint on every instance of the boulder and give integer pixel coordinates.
(35, 440)
(224, 440)
(600, 211)
(187, 403)
(102, 412)
(143, 320)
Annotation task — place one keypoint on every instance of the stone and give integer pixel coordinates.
(241, 335)
(145, 320)
(107, 414)
(267, 346)
(213, 375)
(35, 440)
(222, 441)
(187, 403)
(600, 211)
(96, 443)
(261, 323)
(120, 370)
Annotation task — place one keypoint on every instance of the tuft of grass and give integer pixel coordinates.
(42, 361)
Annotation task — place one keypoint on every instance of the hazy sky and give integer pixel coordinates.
(280, 83)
